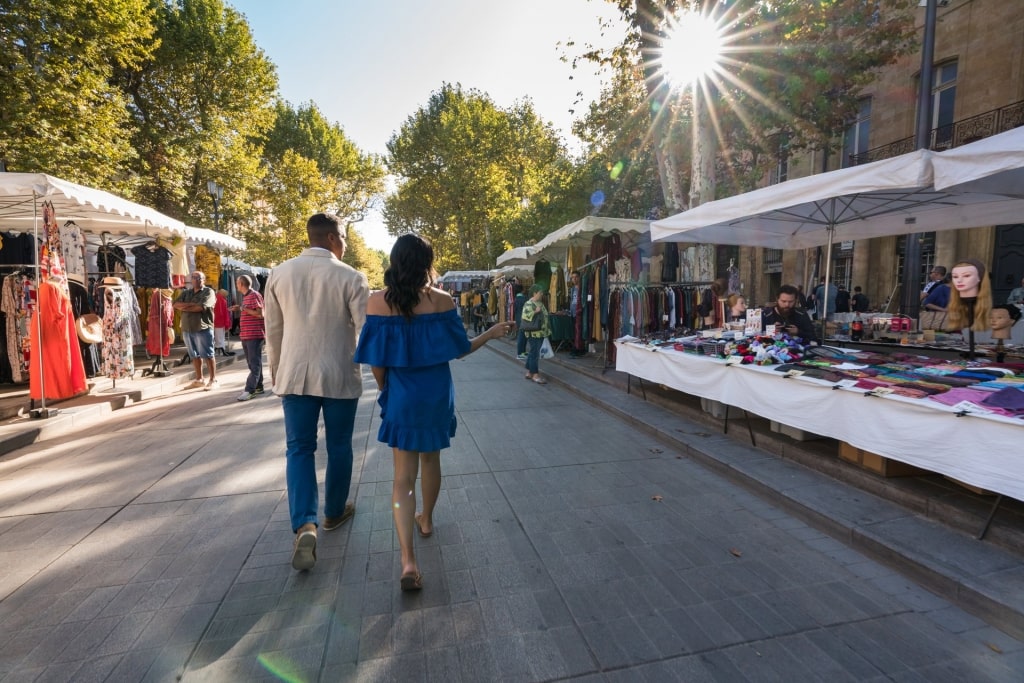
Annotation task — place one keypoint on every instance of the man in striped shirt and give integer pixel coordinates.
(252, 332)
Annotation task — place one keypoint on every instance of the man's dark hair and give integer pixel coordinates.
(857, 288)
(320, 225)
(246, 280)
(789, 289)
(941, 270)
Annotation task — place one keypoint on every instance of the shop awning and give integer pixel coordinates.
(92, 210)
(586, 228)
(212, 238)
(518, 256)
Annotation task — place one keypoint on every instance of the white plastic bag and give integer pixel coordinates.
(545, 349)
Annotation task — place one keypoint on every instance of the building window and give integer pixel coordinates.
(772, 260)
(943, 104)
(780, 173)
(855, 138)
(927, 240)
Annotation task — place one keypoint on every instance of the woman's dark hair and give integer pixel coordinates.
(412, 261)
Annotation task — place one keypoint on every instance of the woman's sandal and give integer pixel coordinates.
(424, 534)
(411, 582)
(540, 380)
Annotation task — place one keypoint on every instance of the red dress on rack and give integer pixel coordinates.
(63, 371)
(161, 319)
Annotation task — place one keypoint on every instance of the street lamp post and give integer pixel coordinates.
(217, 193)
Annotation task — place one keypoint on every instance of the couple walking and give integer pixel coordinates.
(407, 334)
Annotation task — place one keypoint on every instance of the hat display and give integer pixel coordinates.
(90, 328)
(112, 282)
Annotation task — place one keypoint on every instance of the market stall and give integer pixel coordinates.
(50, 224)
(961, 441)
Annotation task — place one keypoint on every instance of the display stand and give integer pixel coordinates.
(159, 367)
(970, 301)
(42, 412)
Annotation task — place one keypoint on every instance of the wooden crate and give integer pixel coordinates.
(878, 464)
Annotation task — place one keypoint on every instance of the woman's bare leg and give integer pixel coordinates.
(403, 505)
(430, 485)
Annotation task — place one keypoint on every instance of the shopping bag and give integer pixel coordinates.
(545, 349)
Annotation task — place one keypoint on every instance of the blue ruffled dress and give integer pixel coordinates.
(417, 403)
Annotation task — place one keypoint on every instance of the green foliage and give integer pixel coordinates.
(200, 106)
(358, 177)
(61, 113)
(292, 191)
(620, 162)
(795, 72)
(468, 173)
(364, 259)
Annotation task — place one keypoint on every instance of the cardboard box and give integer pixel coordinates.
(793, 432)
(878, 464)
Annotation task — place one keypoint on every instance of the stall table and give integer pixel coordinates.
(983, 450)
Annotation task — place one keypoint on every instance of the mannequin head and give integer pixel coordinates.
(970, 283)
(967, 276)
(1001, 319)
(737, 306)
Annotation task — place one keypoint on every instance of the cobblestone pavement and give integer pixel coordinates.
(155, 546)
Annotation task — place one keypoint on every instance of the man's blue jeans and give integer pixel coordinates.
(301, 416)
(254, 359)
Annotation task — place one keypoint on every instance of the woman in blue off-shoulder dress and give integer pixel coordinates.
(411, 332)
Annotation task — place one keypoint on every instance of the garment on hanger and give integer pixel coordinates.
(54, 345)
(161, 319)
(118, 358)
(208, 261)
(110, 260)
(17, 304)
(152, 265)
(72, 244)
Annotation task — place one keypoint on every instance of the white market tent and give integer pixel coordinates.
(95, 211)
(586, 228)
(518, 256)
(462, 276)
(213, 239)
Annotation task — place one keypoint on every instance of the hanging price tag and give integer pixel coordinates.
(734, 360)
(793, 373)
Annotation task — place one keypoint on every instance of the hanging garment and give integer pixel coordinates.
(161, 319)
(179, 262)
(118, 359)
(16, 304)
(152, 266)
(54, 344)
(72, 245)
(110, 260)
(208, 261)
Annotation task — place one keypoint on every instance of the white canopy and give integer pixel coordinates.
(588, 226)
(92, 210)
(213, 239)
(993, 165)
(518, 256)
(974, 185)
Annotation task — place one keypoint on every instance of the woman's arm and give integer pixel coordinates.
(493, 332)
(379, 374)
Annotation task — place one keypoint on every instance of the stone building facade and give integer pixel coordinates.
(978, 92)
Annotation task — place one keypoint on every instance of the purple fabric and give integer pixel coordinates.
(1010, 400)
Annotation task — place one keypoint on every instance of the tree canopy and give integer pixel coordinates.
(467, 172)
(60, 109)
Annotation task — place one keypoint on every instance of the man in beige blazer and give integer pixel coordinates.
(315, 306)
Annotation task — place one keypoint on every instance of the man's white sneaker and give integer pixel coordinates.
(214, 384)
(244, 396)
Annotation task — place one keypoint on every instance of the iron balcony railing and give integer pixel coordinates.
(953, 135)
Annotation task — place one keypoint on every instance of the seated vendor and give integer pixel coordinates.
(796, 323)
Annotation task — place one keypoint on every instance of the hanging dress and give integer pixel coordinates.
(118, 359)
(417, 403)
(161, 319)
(63, 373)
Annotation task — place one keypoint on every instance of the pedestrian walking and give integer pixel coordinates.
(252, 332)
(314, 308)
(196, 305)
(537, 324)
(412, 331)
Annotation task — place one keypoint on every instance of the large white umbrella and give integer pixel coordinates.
(888, 197)
(994, 165)
(518, 256)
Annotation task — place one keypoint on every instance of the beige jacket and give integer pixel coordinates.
(315, 307)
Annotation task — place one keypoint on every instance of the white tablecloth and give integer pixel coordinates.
(985, 451)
